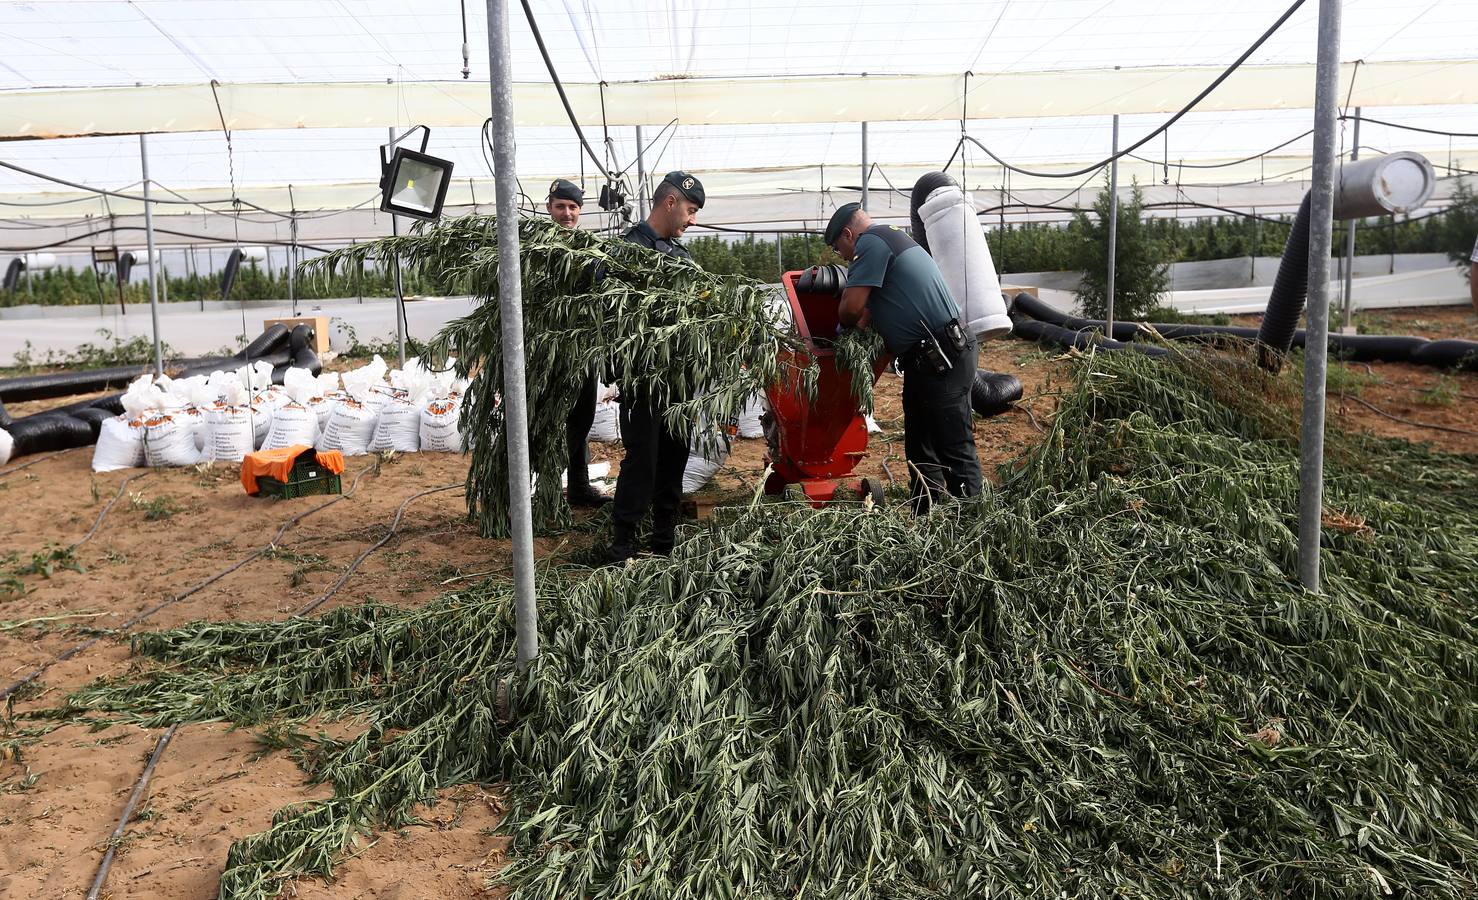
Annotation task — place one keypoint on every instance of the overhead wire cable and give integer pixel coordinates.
(1181, 113)
(560, 88)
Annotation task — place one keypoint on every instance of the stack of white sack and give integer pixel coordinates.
(121, 440)
(293, 423)
(441, 412)
(351, 425)
(228, 422)
(167, 436)
(264, 398)
(195, 396)
(324, 397)
(399, 425)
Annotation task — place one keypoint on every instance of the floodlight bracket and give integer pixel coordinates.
(390, 164)
(385, 160)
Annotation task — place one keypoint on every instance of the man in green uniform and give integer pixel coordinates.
(651, 475)
(563, 205)
(894, 287)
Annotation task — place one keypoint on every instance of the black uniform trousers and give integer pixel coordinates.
(939, 431)
(651, 475)
(577, 433)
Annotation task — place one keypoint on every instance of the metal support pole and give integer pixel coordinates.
(510, 298)
(1349, 298)
(292, 263)
(149, 240)
(1316, 346)
(864, 165)
(641, 177)
(1113, 227)
(780, 255)
(399, 288)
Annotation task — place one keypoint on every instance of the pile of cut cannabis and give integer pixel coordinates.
(655, 325)
(1099, 680)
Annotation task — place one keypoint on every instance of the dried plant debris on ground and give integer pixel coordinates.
(1099, 680)
(656, 325)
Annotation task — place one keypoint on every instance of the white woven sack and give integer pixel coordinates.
(228, 434)
(120, 445)
(291, 425)
(399, 427)
(7, 444)
(440, 426)
(749, 417)
(350, 428)
(168, 441)
(703, 463)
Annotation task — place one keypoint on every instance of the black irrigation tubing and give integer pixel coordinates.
(138, 792)
(1404, 421)
(1165, 126)
(394, 527)
(99, 521)
(92, 642)
(37, 460)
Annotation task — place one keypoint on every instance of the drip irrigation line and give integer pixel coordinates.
(1436, 131)
(116, 837)
(148, 613)
(60, 202)
(99, 521)
(394, 527)
(38, 460)
(560, 88)
(111, 229)
(179, 199)
(1404, 421)
(102, 192)
(1222, 165)
(1164, 127)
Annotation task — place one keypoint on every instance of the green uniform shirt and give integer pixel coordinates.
(909, 299)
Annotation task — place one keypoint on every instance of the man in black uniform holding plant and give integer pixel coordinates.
(652, 471)
(563, 205)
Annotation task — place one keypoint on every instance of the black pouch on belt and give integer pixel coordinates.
(928, 353)
(955, 337)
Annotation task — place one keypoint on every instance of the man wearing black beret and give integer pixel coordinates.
(651, 473)
(563, 206)
(894, 287)
(564, 201)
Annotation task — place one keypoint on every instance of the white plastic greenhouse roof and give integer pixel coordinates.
(725, 101)
(762, 99)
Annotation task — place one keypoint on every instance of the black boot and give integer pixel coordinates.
(577, 484)
(583, 494)
(623, 544)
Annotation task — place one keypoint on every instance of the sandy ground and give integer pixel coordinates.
(170, 530)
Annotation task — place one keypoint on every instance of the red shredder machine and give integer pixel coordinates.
(816, 444)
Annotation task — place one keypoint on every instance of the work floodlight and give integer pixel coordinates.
(412, 182)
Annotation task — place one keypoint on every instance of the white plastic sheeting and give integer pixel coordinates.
(724, 101)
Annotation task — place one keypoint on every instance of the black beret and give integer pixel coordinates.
(566, 190)
(687, 185)
(839, 220)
